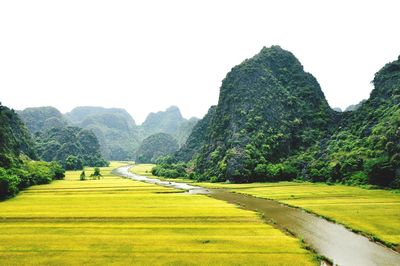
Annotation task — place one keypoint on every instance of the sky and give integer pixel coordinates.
(145, 56)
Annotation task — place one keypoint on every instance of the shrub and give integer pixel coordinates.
(96, 174)
(73, 163)
(8, 184)
(82, 176)
(379, 171)
(58, 171)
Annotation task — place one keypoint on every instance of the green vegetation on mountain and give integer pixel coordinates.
(73, 146)
(42, 118)
(17, 170)
(365, 146)
(198, 137)
(170, 122)
(268, 109)
(272, 123)
(156, 146)
(15, 139)
(55, 140)
(115, 129)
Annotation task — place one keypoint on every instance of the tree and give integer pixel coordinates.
(96, 174)
(73, 163)
(82, 176)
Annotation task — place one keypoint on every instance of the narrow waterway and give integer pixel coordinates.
(343, 247)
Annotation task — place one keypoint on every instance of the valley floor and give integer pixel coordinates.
(115, 221)
(374, 212)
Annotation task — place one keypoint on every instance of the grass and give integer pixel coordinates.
(117, 221)
(373, 212)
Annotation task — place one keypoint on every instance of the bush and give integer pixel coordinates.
(380, 172)
(40, 172)
(8, 184)
(82, 176)
(357, 178)
(170, 170)
(96, 174)
(73, 163)
(58, 171)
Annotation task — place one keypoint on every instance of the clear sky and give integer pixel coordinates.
(147, 55)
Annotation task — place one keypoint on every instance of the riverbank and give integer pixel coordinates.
(339, 234)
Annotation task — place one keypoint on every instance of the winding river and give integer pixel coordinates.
(334, 241)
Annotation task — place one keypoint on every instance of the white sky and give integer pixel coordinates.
(147, 55)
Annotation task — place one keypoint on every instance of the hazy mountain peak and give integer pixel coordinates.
(80, 113)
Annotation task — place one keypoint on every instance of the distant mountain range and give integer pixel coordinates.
(115, 129)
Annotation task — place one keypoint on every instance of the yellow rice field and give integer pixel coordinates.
(115, 221)
(374, 212)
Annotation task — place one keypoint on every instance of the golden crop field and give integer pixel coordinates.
(375, 212)
(372, 211)
(116, 221)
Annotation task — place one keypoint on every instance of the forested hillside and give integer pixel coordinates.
(365, 146)
(56, 140)
(156, 146)
(42, 118)
(170, 122)
(114, 127)
(17, 170)
(272, 122)
(197, 138)
(74, 147)
(268, 108)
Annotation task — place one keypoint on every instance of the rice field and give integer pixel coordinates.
(374, 212)
(116, 221)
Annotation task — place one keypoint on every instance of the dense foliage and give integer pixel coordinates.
(17, 170)
(115, 129)
(73, 146)
(15, 139)
(272, 123)
(365, 146)
(26, 174)
(156, 146)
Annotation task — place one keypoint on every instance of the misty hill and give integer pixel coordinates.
(42, 118)
(170, 122)
(155, 146)
(80, 113)
(115, 129)
(272, 123)
(354, 107)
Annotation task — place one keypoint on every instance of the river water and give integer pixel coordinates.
(334, 241)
